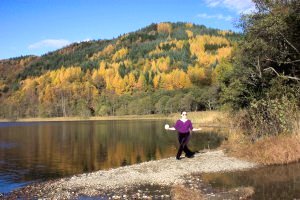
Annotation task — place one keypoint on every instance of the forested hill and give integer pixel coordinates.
(159, 62)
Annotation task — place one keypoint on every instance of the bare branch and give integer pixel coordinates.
(258, 67)
(294, 61)
(289, 42)
(283, 76)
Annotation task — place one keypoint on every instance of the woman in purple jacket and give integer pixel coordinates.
(184, 126)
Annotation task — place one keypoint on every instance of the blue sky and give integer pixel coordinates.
(35, 27)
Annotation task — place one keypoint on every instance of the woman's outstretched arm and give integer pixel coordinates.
(197, 129)
(167, 127)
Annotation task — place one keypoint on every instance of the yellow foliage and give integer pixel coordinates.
(196, 74)
(189, 33)
(2, 86)
(197, 48)
(106, 51)
(206, 59)
(157, 50)
(176, 45)
(102, 67)
(120, 54)
(189, 25)
(164, 28)
(160, 65)
(97, 78)
(166, 81)
(177, 79)
(154, 67)
(118, 84)
(179, 44)
(163, 64)
(115, 66)
(147, 66)
(197, 45)
(130, 82)
(224, 52)
(156, 81)
(131, 79)
(127, 62)
(47, 96)
(224, 32)
(70, 74)
(141, 83)
(28, 84)
(109, 75)
(180, 79)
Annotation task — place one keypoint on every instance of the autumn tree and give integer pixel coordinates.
(164, 28)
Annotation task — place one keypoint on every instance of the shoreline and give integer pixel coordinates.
(161, 173)
(50, 119)
(217, 118)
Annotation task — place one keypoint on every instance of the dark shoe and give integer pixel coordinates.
(178, 158)
(191, 155)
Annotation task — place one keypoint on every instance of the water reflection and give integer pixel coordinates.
(39, 151)
(275, 182)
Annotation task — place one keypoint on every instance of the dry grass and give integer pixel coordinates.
(281, 149)
(205, 117)
(179, 192)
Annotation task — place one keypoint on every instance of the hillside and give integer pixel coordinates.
(157, 65)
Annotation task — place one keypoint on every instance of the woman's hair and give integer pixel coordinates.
(183, 111)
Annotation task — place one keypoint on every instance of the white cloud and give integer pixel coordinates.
(240, 6)
(86, 40)
(52, 43)
(218, 16)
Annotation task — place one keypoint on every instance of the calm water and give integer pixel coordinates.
(31, 152)
(275, 182)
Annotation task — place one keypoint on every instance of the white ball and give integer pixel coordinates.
(167, 126)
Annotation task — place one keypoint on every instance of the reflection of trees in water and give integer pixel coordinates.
(206, 140)
(65, 148)
(273, 182)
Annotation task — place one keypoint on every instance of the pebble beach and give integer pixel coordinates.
(132, 181)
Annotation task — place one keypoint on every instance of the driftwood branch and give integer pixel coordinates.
(289, 77)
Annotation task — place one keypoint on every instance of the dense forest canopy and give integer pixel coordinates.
(161, 68)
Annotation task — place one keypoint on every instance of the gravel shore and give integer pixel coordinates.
(163, 173)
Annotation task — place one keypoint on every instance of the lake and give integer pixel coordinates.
(39, 151)
(272, 182)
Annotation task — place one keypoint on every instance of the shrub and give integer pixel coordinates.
(267, 117)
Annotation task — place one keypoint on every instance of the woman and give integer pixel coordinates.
(184, 127)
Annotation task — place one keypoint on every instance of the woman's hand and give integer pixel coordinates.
(167, 126)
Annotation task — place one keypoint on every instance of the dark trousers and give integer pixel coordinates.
(183, 139)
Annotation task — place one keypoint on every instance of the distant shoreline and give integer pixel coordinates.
(203, 117)
(125, 117)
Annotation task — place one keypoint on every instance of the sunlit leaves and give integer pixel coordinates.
(164, 28)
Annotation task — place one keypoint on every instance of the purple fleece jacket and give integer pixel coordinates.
(183, 127)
